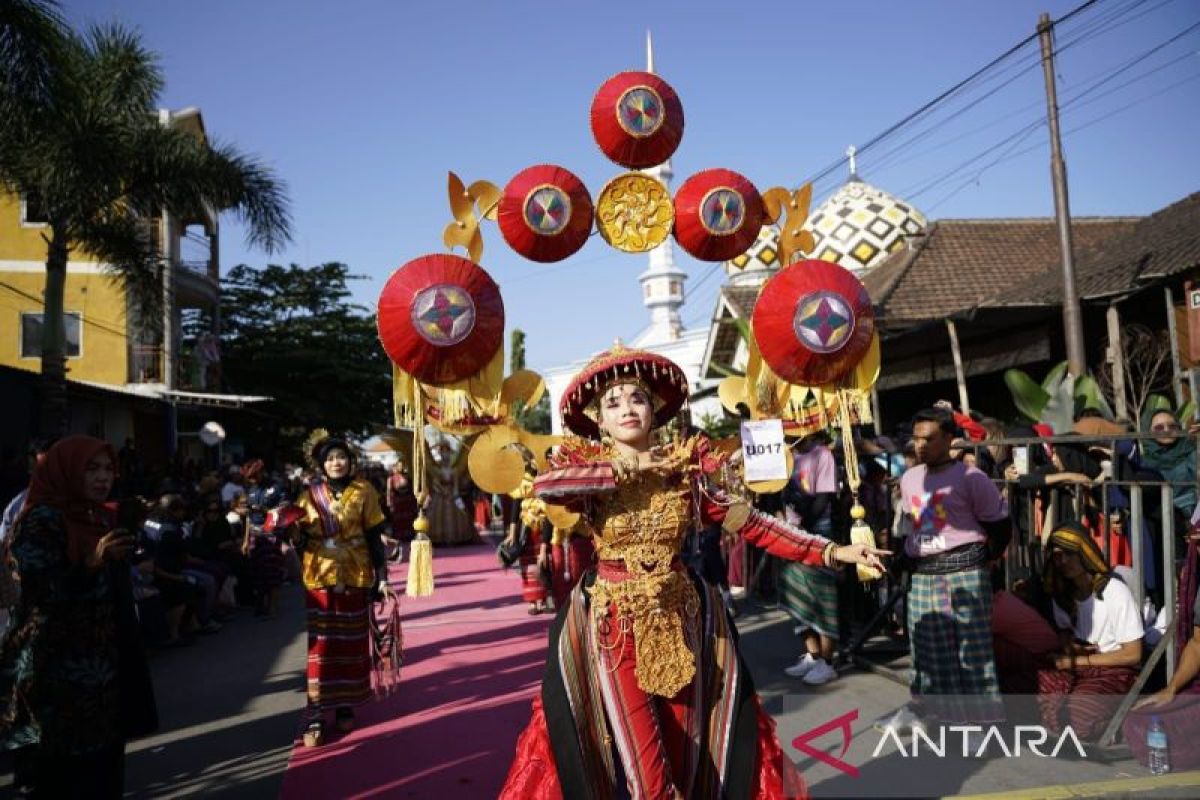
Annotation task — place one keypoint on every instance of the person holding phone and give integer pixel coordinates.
(73, 679)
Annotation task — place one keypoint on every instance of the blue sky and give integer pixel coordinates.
(362, 107)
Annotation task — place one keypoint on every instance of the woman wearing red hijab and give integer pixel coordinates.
(73, 679)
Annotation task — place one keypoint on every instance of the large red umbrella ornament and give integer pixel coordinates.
(441, 318)
(813, 323)
(718, 214)
(637, 119)
(545, 213)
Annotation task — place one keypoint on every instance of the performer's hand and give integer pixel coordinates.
(1159, 699)
(860, 554)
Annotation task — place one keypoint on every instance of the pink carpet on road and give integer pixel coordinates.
(473, 660)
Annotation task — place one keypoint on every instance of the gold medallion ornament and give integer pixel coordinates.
(634, 212)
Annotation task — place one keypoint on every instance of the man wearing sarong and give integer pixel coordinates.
(955, 510)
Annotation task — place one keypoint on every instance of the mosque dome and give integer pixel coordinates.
(759, 262)
(860, 225)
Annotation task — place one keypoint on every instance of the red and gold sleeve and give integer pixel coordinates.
(771, 534)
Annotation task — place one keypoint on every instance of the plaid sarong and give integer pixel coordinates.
(950, 627)
(810, 596)
(339, 647)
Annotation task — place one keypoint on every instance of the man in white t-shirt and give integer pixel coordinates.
(1100, 629)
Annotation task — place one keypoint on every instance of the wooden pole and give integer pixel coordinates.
(1072, 316)
(1176, 376)
(1116, 357)
(963, 401)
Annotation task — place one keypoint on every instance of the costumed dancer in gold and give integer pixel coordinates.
(340, 529)
(448, 519)
(531, 529)
(643, 678)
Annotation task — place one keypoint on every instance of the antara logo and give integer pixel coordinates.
(1036, 733)
(1025, 738)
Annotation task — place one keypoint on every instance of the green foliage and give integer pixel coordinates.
(720, 426)
(535, 418)
(1059, 399)
(1028, 395)
(292, 333)
(516, 358)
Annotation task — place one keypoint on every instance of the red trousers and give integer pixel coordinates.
(649, 728)
(532, 590)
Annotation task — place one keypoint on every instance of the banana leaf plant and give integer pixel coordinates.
(1059, 399)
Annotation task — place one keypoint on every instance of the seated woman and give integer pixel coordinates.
(1100, 628)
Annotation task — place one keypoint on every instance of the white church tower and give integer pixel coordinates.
(662, 282)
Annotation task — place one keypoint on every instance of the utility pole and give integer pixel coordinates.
(1072, 316)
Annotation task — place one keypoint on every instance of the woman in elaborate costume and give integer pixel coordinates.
(448, 520)
(340, 529)
(644, 685)
(531, 528)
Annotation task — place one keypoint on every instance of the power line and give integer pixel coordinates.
(948, 93)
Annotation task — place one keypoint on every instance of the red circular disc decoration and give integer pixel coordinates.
(637, 119)
(813, 323)
(545, 213)
(718, 214)
(441, 318)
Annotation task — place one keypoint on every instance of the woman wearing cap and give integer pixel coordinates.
(340, 527)
(644, 680)
(1101, 634)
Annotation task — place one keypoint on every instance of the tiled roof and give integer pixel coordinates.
(1161, 245)
(960, 264)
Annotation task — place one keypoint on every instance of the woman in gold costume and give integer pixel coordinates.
(644, 690)
(339, 524)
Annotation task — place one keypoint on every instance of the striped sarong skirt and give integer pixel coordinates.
(810, 596)
(950, 627)
(339, 647)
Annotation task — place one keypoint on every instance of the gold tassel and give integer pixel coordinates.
(860, 533)
(420, 561)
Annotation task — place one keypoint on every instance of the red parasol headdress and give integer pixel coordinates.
(441, 318)
(637, 119)
(661, 377)
(718, 214)
(545, 213)
(813, 323)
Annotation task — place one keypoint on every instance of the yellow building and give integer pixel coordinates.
(108, 340)
(128, 373)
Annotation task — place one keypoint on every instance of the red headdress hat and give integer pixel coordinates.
(637, 119)
(661, 377)
(545, 213)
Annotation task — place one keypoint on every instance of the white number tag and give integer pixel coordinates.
(763, 450)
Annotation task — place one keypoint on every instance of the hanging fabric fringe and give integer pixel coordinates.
(387, 646)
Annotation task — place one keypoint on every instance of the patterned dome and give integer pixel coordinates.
(860, 225)
(756, 264)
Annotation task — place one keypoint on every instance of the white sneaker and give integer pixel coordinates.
(737, 592)
(820, 673)
(902, 721)
(803, 664)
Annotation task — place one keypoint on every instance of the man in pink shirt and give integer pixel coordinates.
(956, 512)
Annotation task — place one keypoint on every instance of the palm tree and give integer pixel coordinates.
(82, 137)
